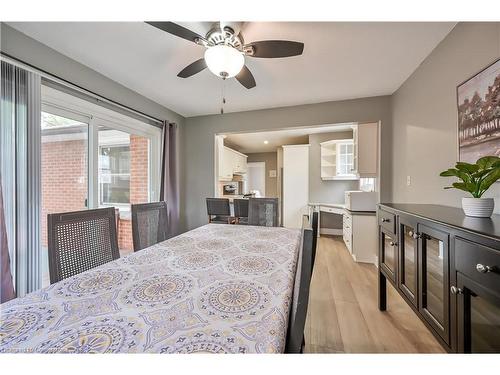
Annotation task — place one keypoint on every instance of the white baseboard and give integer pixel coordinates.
(330, 231)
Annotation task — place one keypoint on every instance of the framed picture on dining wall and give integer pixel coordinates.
(479, 114)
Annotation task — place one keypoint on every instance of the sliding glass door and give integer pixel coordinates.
(93, 158)
(64, 168)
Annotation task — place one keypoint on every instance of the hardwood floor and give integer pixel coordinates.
(343, 316)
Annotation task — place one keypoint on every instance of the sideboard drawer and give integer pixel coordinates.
(479, 262)
(387, 220)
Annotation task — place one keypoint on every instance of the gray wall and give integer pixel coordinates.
(22, 47)
(270, 158)
(425, 115)
(326, 191)
(200, 131)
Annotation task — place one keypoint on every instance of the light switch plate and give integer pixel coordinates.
(272, 173)
(408, 180)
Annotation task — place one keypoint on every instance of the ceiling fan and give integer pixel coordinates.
(226, 50)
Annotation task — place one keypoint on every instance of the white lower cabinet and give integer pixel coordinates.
(360, 236)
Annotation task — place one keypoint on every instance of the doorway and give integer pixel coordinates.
(256, 178)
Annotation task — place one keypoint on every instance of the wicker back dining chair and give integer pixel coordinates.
(218, 211)
(241, 211)
(81, 240)
(149, 224)
(263, 212)
(300, 299)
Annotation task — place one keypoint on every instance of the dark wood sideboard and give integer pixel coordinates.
(446, 266)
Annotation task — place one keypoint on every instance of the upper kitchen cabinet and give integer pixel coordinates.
(366, 149)
(239, 162)
(350, 159)
(230, 162)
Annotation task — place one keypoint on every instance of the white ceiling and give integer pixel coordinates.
(254, 142)
(340, 60)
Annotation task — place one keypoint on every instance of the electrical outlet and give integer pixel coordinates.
(408, 180)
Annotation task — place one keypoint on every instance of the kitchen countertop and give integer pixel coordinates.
(332, 205)
(342, 207)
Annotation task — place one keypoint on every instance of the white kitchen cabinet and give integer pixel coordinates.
(230, 162)
(240, 162)
(366, 146)
(227, 163)
(295, 184)
(360, 236)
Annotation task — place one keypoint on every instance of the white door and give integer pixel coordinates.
(256, 177)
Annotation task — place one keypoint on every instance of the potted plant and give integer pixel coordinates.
(476, 179)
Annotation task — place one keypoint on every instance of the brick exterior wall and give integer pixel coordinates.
(64, 179)
(64, 182)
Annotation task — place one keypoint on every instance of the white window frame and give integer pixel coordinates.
(338, 145)
(59, 103)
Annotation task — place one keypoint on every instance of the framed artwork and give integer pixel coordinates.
(479, 115)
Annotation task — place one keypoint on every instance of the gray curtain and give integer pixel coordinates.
(169, 186)
(20, 111)
(7, 285)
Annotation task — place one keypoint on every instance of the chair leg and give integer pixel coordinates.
(209, 219)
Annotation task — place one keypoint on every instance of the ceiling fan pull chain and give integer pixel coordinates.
(223, 98)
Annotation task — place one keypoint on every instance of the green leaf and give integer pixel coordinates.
(467, 167)
(482, 173)
(470, 188)
(487, 161)
(449, 173)
(489, 180)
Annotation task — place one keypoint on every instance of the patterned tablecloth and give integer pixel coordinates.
(218, 288)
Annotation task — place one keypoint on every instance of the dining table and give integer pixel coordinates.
(219, 288)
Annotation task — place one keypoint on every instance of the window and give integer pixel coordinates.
(345, 158)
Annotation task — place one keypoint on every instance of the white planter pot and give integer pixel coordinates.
(478, 207)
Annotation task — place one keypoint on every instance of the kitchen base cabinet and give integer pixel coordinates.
(446, 266)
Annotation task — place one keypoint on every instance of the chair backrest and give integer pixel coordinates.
(263, 212)
(81, 240)
(149, 224)
(218, 207)
(240, 207)
(314, 227)
(300, 299)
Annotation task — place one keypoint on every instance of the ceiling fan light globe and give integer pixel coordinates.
(224, 61)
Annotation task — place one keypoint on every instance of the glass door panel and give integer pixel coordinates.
(408, 259)
(484, 325)
(123, 176)
(434, 284)
(434, 277)
(478, 317)
(64, 170)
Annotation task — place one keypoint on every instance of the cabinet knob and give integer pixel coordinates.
(455, 290)
(482, 268)
(392, 243)
(414, 235)
(385, 220)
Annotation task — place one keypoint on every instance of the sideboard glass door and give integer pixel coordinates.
(478, 317)
(434, 280)
(408, 244)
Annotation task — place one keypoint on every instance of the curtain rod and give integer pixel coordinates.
(63, 82)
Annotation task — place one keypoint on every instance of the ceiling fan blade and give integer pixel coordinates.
(245, 77)
(177, 30)
(193, 68)
(275, 48)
